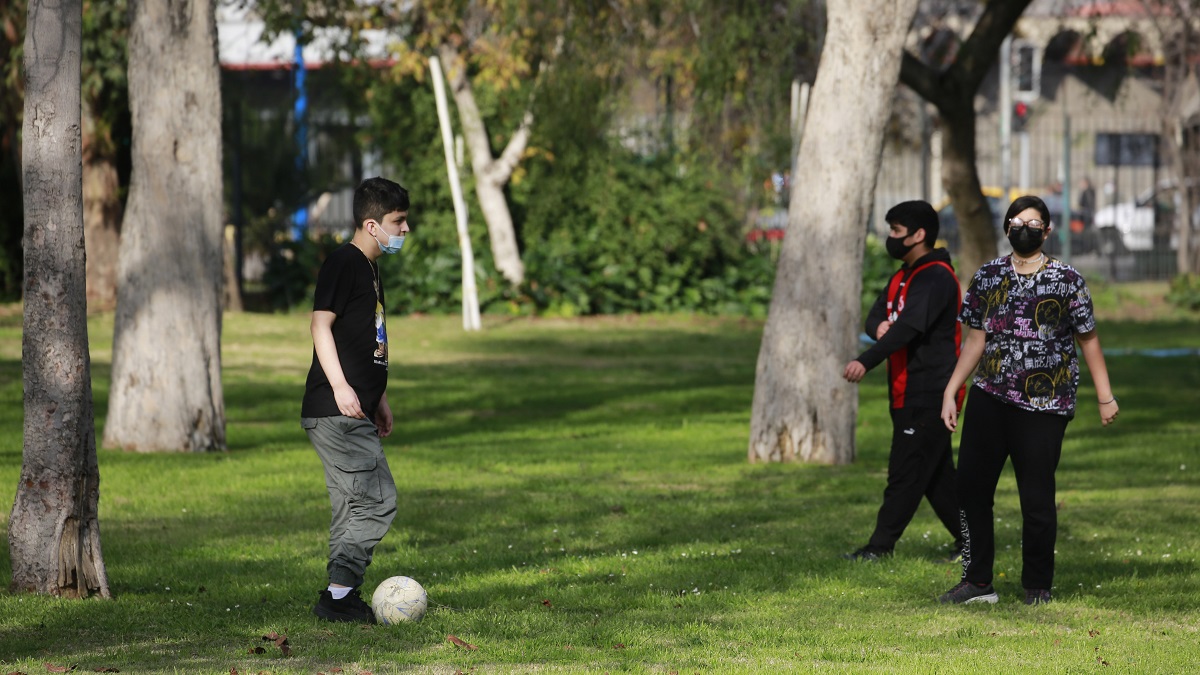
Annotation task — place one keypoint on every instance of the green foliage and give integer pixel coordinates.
(576, 498)
(1185, 292)
(632, 234)
(103, 85)
(291, 274)
(103, 92)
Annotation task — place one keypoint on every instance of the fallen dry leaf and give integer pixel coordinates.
(546, 603)
(454, 640)
(280, 641)
(619, 645)
(59, 669)
(256, 650)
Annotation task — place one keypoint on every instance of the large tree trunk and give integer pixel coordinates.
(491, 174)
(976, 227)
(54, 531)
(101, 218)
(802, 409)
(166, 378)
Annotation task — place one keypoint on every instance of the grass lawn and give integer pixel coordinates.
(575, 497)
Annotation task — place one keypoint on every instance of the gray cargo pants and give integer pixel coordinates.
(362, 492)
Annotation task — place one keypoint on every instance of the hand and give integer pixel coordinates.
(347, 402)
(854, 371)
(883, 328)
(383, 419)
(950, 411)
(1108, 412)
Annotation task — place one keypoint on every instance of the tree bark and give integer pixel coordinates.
(491, 174)
(101, 219)
(960, 178)
(803, 410)
(54, 531)
(166, 377)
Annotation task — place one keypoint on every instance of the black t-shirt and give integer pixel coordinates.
(348, 285)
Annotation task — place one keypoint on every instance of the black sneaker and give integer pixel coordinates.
(868, 554)
(966, 592)
(349, 608)
(1037, 596)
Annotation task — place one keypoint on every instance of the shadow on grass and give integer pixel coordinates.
(533, 469)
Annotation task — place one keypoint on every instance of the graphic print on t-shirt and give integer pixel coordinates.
(1031, 322)
(381, 347)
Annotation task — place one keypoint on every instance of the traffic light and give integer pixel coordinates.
(1020, 117)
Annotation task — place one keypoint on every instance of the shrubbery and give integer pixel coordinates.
(1185, 292)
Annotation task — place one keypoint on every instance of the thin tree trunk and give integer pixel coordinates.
(953, 90)
(491, 174)
(976, 226)
(803, 410)
(166, 377)
(54, 531)
(101, 218)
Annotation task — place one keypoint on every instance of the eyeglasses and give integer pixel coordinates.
(1033, 224)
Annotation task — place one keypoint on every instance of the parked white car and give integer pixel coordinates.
(1147, 223)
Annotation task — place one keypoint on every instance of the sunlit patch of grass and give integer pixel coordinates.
(575, 497)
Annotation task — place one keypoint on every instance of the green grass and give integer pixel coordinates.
(575, 497)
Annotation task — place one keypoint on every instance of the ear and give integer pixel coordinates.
(918, 235)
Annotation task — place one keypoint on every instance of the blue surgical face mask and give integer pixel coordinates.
(393, 245)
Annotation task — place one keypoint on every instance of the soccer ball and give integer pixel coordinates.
(399, 599)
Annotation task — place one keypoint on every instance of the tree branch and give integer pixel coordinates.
(921, 78)
(978, 53)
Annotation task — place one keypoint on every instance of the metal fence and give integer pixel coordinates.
(1126, 210)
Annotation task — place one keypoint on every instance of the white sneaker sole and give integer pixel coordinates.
(990, 598)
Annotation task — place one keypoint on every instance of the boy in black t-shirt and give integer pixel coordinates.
(345, 409)
(915, 324)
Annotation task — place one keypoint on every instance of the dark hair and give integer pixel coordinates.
(1027, 202)
(375, 198)
(915, 215)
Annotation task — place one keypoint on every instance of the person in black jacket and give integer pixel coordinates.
(915, 324)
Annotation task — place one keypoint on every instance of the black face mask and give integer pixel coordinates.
(1024, 240)
(897, 248)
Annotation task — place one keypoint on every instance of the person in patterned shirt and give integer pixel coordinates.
(1026, 312)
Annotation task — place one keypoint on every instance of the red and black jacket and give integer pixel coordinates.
(922, 300)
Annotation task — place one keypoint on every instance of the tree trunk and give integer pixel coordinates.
(166, 374)
(952, 90)
(803, 410)
(976, 227)
(54, 531)
(491, 174)
(101, 219)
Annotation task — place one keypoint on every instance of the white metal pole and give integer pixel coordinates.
(470, 294)
(1006, 111)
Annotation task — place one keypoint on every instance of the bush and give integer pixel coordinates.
(291, 274)
(1185, 292)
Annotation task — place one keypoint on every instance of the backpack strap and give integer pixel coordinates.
(898, 360)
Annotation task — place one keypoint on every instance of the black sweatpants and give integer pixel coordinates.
(920, 465)
(992, 432)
